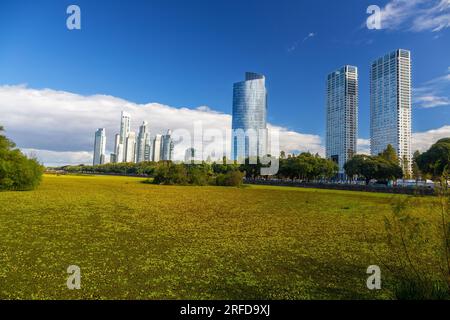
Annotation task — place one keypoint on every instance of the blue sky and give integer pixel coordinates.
(189, 53)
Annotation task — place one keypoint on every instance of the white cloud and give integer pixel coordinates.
(422, 141)
(431, 101)
(363, 146)
(294, 142)
(59, 158)
(59, 126)
(416, 15)
(432, 93)
(295, 45)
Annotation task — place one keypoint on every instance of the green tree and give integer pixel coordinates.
(17, 172)
(382, 167)
(436, 160)
(416, 173)
(389, 154)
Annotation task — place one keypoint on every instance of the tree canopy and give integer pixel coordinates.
(436, 160)
(382, 167)
(17, 172)
(306, 166)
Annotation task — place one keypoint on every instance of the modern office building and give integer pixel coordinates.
(125, 127)
(114, 156)
(120, 153)
(342, 116)
(156, 148)
(390, 105)
(249, 126)
(130, 149)
(167, 146)
(143, 143)
(99, 147)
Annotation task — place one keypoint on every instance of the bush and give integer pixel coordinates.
(17, 172)
(197, 175)
(230, 179)
(171, 174)
(408, 236)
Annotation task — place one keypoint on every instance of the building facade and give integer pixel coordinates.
(156, 148)
(390, 106)
(167, 146)
(143, 143)
(99, 147)
(342, 116)
(249, 126)
(130, 149)
(125, 127)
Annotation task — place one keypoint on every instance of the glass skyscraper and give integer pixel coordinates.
(156, 150)
(99, 146)
(342, 116)
(143, 143)
(167, 146)
(130, 151)
(249, 126)
(125, 125)
(390, 105)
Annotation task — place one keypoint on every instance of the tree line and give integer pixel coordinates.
(304, 166)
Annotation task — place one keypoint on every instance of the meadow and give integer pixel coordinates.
(141, 241)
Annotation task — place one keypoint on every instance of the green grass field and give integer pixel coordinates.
(140, 241)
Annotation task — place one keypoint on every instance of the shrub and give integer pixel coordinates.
(17, 172)
(408, 236)
(171, 174)
(198, 176)
(230, 179)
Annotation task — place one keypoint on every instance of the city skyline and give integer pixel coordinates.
(293, 44)
(390, 117)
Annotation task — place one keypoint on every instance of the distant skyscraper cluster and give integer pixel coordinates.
(131, 148)
(390, 109)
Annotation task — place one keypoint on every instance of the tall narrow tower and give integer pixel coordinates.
(156, 148)
(125, 124)
(130, 151)
(143, 143)
(249, 126)
(99, 147)
(390, 106)
(342, 115)
(167, 146)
